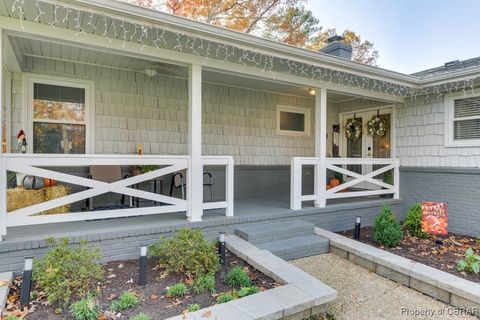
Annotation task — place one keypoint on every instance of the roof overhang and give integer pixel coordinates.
(302, 59)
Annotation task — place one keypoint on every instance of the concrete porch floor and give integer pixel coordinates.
(246, 210)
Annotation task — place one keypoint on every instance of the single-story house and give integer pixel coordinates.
(258, 130)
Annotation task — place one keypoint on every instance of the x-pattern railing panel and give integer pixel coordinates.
(358, 178)
(30, 166)
(335, 164)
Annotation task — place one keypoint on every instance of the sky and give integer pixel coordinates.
(410, 35)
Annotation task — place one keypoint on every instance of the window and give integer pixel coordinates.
(59, 117)
(293, 121)
(462, 120)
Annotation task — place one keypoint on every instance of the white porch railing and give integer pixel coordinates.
(351, 179)
(226, 161)
(41, 166)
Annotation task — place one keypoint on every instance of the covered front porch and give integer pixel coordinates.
(271, 143)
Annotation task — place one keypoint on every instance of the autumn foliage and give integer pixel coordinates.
(287, 21)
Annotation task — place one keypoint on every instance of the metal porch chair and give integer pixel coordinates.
(179, 181)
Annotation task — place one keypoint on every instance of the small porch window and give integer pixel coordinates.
(463, 121)
(59, 116)
(293, 121)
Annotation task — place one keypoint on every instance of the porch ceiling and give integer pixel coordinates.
(26, 47)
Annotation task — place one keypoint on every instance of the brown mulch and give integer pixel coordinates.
(440, 252)
(123, 276)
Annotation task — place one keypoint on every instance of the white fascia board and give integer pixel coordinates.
(248, 41)
(95, 42)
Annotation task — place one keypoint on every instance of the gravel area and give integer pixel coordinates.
(364, 295)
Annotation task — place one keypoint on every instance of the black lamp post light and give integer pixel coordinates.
(26, 282)
(221, 246)
(358, 225)
(142, 276)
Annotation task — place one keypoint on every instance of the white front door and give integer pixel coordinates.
(368, 146)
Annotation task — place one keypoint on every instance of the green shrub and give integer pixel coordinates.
(193, 307)
(204, 283)
(187, 252)
(85, 309)
(237, 277)
(246, 291)
(126, 301)
(470, 263)
(12, 317)
(140, 316)
(177, 290)
(388, 177)
(226, 296)
(413, 221)
(386, 229)
(67, 273)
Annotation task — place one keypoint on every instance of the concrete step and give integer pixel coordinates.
(297, 247)
(268, 232)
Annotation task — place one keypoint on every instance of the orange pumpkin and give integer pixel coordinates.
(334, 182)
(49, 182)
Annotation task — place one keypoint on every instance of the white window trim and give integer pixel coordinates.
(449, 103)
(292, 109)
(89, 86)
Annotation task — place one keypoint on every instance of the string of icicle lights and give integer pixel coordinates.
(111, 27)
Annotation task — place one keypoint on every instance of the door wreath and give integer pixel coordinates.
(376, 126)
(353, 129)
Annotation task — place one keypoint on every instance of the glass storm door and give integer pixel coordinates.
(367, 146)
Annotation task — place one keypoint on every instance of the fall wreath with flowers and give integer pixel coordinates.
(353, 129)
(377, 127)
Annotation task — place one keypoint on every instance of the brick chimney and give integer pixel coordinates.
(336, 47)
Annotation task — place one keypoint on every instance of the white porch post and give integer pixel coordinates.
(195, 172)
(321, 145)
(3, 172)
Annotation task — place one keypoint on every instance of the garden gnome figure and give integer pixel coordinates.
(22, 141)
(22, 147)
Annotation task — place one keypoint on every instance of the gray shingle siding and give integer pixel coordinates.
(132, 108)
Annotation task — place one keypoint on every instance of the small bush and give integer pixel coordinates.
(237, 277)
(413, 221)
(67, 273)
(204, 283)
(85, 309)
(140, 316)
(226, 296)
(193, 307)
(187, 252)
(246, 291)
(470, 263)
(177, 290)
(12, 317)
(126, 301)
(386, 229)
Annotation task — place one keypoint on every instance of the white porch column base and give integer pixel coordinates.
(195, 172)
(3, 171)
(321, 146)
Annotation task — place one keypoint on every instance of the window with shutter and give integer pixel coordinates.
(463, 121)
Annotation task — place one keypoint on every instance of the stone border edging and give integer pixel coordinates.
(4, 288)
(300, 296)
(438, 284)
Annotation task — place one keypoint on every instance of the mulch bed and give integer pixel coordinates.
(123, 276)
(440, 252)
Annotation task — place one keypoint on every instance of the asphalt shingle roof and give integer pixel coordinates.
(449, 67)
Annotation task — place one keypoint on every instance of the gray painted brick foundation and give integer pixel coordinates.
(124, 242)
(459, 187)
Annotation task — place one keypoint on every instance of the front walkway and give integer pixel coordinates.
(364, 295)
